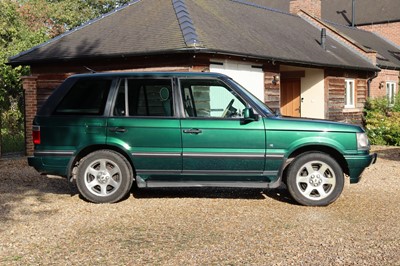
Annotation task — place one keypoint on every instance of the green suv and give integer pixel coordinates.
(109, 130)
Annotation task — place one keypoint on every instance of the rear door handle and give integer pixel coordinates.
(192, 131)
(118, 129)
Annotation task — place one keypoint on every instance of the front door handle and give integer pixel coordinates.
(118, 129)
(192, 131)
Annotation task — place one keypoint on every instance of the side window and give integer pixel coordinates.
(349, 94)
(86, 97)
(391, 92)
(144, 97)
(210, 98)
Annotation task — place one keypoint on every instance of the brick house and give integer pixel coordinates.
(375, 33)
(280, 57)
(381, 17)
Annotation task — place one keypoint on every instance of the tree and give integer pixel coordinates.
(27, 23)
(15, 36)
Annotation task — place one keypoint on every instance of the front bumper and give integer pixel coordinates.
(357, 165)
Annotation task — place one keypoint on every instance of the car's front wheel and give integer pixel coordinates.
(104, 176)
(315, 179)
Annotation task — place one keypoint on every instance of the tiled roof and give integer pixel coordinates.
(340, 11)
(366, 11)
(144, 26)
(387, 53)
(234, 27)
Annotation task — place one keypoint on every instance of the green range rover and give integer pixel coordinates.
(106, 131)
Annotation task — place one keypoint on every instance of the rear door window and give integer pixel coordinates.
(144, 97)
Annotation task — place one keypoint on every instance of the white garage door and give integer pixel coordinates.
(249, 76)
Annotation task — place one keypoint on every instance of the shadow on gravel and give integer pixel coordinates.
(391, 153)
(279, 194)
(22, 188)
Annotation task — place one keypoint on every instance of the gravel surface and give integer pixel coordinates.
(44, 222)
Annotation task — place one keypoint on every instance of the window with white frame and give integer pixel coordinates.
(349, 94)
(390, 92)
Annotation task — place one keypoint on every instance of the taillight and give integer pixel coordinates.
(36, 134)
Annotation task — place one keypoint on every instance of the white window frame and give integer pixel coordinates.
(349, 93)
(391, 92)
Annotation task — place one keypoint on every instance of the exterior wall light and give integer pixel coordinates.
(276, 79)
(381, 84)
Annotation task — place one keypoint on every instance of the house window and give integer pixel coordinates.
(391, 92)
(349, 94)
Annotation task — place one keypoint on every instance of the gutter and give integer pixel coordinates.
(369, 84)
(196, 51)
(289, 61)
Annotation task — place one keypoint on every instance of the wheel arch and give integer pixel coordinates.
(335, 154)
(89, 149)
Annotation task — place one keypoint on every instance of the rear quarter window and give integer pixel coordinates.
(86, 97)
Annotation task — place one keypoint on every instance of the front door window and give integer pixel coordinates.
(210, 99)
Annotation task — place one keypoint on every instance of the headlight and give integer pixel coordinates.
(362, 141)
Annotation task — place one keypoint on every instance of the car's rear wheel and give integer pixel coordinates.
(315, 179)
(104, 176)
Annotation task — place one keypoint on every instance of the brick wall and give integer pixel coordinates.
(378, 85)
(272, 91)
(390, 31)
(312, 7)
(29, 85)
(335, 87)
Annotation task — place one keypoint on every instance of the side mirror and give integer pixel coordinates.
(277, 112)
(249, 116)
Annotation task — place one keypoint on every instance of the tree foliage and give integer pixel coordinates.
(27, 23)
(15, 36)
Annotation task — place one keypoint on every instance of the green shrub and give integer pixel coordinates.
(12, 129)
(382, 122)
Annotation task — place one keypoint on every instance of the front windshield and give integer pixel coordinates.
(260, 104)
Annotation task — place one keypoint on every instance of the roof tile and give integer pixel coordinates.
(223, 26)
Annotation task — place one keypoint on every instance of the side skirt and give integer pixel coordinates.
(234, 184)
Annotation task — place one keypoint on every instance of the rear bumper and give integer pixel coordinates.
(54, 166)
(36, 162)
(357, 165)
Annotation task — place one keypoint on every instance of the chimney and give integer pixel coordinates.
(353, 13)
(323, 38)
(312, 7)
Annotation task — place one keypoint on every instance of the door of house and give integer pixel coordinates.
(290, 97)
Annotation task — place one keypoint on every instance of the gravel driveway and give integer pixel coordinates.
(42, 223)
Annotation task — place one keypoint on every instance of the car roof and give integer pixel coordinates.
(149, 74)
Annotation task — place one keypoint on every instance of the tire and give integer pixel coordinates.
(315, 179)
(104, 176)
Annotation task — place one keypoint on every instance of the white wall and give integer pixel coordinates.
(249, 77)
(313, 94)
